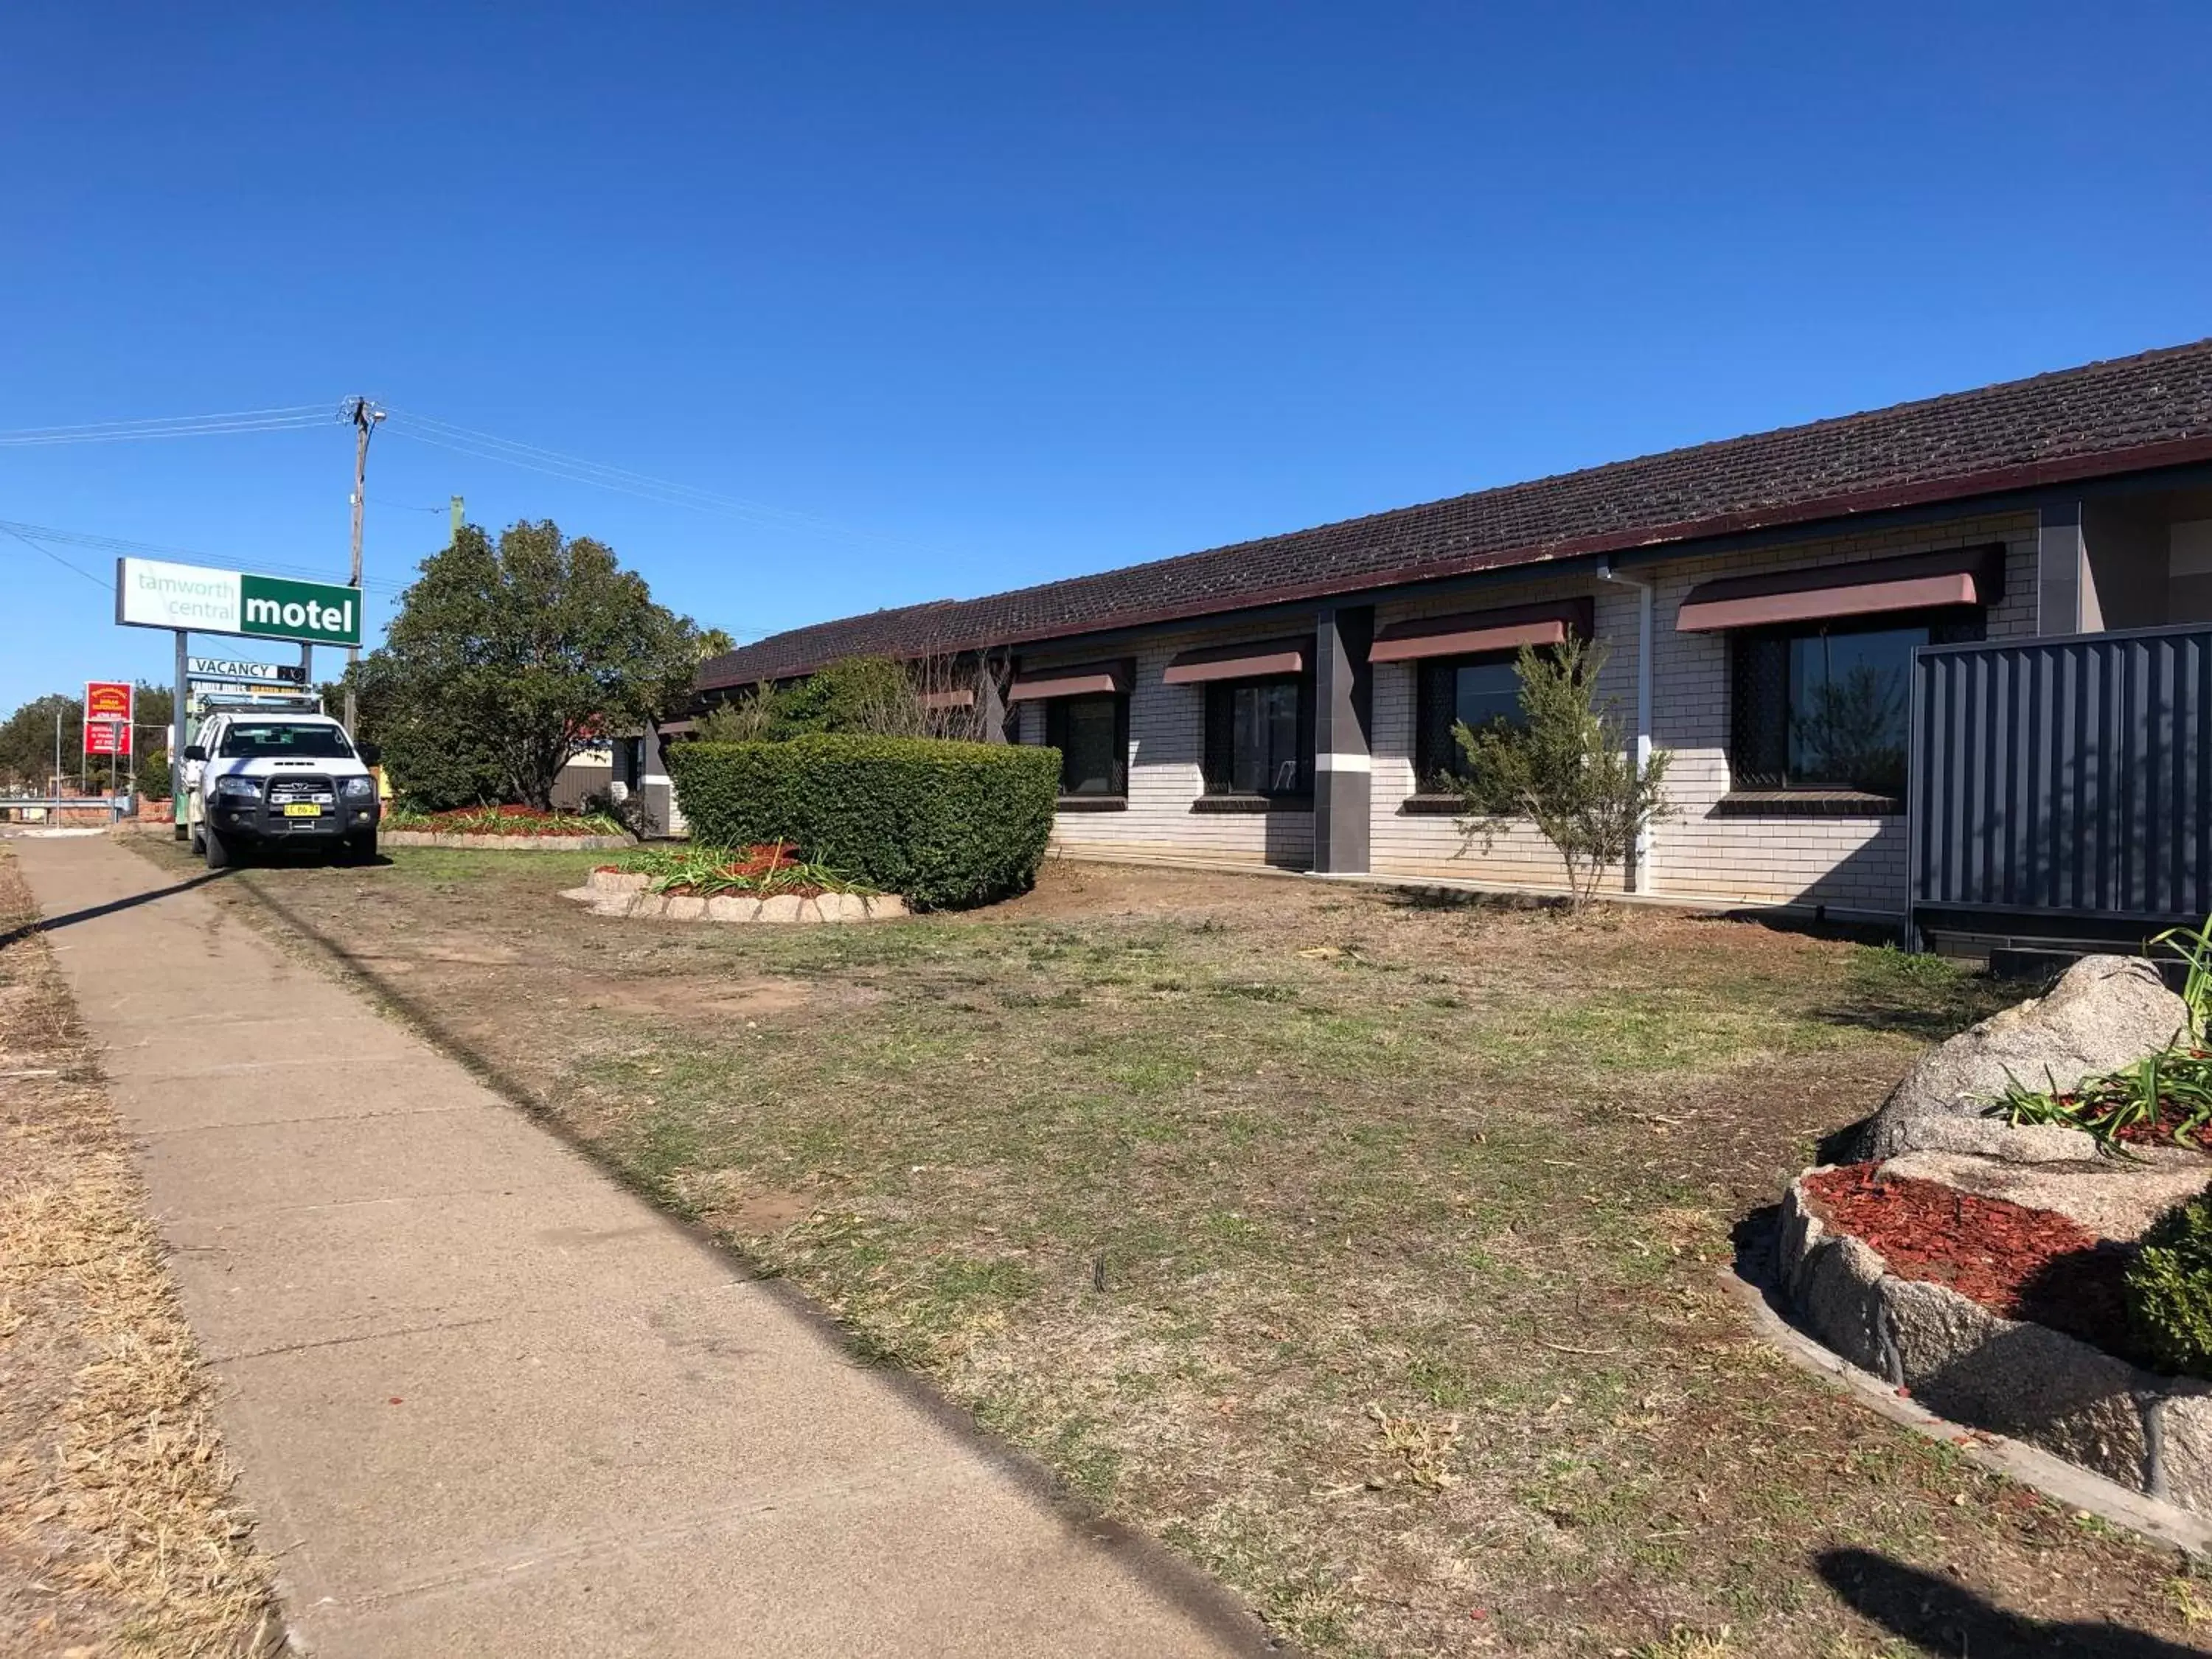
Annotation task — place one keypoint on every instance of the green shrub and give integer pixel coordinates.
(2170, 1289)
(941, 823)
(154, 776)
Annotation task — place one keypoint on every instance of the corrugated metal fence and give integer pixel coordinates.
(2064, 779)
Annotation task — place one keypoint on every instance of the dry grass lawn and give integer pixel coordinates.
(1367, 1253)
(117, 1533)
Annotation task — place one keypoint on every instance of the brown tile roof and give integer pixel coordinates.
(2126, 415)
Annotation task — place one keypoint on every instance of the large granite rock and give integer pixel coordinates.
(2105, 1012)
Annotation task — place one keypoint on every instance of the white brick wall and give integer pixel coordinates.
(1167, 758)
(1853, 864)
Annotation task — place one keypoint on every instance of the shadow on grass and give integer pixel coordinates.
(1939, 1615)
(1930, 998)
(1460, 898)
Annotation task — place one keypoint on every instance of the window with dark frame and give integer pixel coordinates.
(1092, 735)
(1475, 690)
(1825, 707)
(1259, 737)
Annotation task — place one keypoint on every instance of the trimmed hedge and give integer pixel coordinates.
(939, 823)
(2169, 1290)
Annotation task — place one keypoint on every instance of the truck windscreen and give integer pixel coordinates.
(285, 742)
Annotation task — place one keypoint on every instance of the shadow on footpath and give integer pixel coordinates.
(1939, 1615)
(92, 913)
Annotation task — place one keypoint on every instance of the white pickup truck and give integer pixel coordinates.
(279, 779)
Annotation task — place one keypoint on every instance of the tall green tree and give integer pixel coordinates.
(507, 658)
(26, 742)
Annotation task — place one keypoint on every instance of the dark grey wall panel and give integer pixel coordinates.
(2067, 776)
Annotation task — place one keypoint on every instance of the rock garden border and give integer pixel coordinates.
(506, 843)
(628, 893)
(2150, 1433)
(2002, 1303)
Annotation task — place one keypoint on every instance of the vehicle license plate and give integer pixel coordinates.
(302, 809)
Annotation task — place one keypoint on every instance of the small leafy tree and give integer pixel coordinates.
(748, 717)
(867, 696)
(1565, 768)
(506, 659)
(851, 696)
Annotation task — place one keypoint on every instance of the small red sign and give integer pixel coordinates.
(106, 737)
(108, 700)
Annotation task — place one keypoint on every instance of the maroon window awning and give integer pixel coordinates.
(1918, 581)
(1261, 659)
(1470, 633)
(1076, 680)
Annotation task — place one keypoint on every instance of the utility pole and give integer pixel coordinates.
(364, 414)
(456, 541)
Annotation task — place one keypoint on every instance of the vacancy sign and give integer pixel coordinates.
(233, 671)
(151, 593)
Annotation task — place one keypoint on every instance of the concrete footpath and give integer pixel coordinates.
(486, 1402)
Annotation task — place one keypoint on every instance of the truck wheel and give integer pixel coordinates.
(361, 848)
(199, 841)
(221, 854)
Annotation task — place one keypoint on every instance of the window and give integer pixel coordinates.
(1827, 707)
(1259, 736)
(303, 741)
(1475, 690)
(1092, 736)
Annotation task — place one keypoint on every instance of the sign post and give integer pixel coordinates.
(108, 705)
(151, 593)
(192, 599)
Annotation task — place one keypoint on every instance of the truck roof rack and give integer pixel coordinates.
(258, 703)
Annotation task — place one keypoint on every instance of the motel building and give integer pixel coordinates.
(1947, 662)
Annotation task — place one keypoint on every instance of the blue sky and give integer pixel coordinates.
(974, 297)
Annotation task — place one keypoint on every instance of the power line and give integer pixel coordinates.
(174, 426)
(461, 440)
(535, 457)
(36, 533)
(100, 582)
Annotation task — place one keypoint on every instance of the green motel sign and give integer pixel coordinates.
(151, 593)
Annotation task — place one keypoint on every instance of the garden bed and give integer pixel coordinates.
(507, 828)
(2002, 1316)
(611, 891)
(505, 843)
(2018, 1262)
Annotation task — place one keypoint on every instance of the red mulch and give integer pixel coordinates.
(757, 861)
(2022, 1263)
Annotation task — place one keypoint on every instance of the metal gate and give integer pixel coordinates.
(2062, 788)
